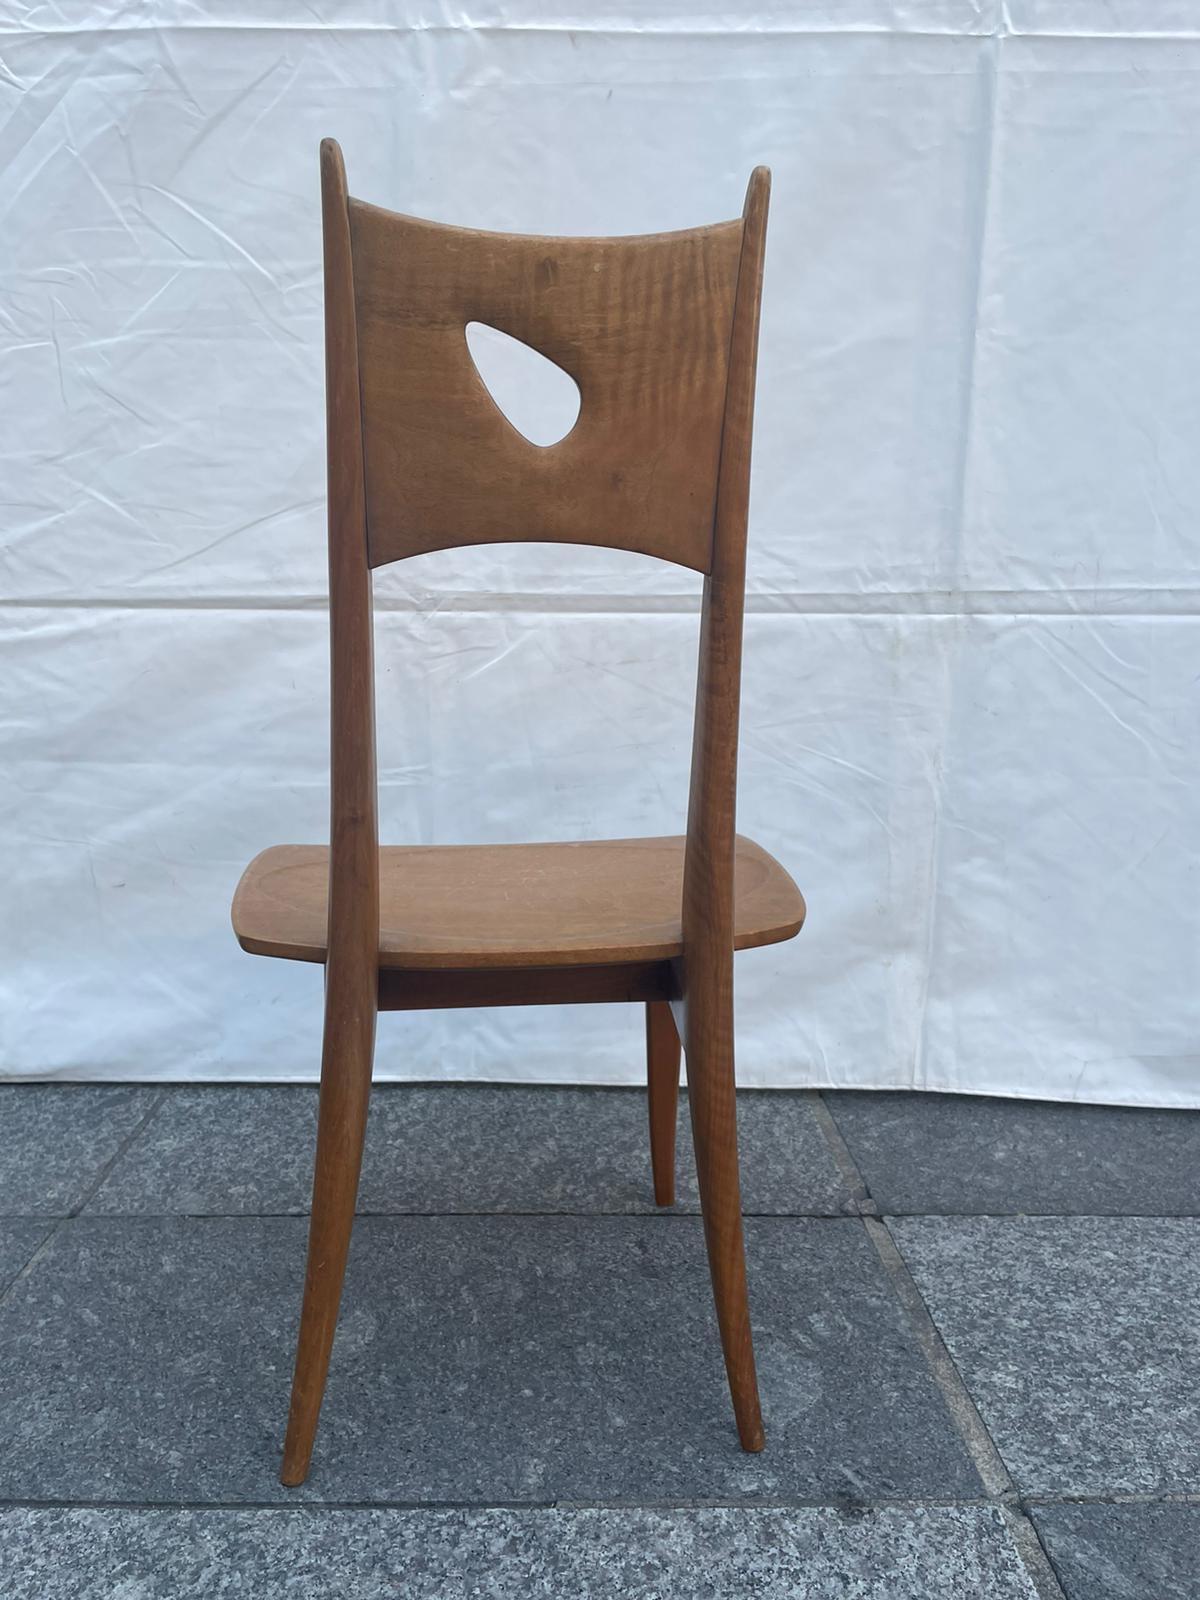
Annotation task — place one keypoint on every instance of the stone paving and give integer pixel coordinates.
(978, 1331)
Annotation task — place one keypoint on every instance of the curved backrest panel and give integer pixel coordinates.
(641, 324)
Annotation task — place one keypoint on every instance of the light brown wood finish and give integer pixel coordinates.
(662, 1083)
(511, 905)
(351, 967)
(660, 333)
(641, 324)
(708, 899)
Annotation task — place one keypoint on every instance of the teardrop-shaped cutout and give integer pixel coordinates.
(538, 397)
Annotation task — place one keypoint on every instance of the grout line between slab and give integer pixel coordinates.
(900, 1214)
(980, 1445)
(664, 1215)
(869, 1208)
(843, 1504)
(970, 1425)
(843, 1160)
(963, 1412)
(51, 1225)
(126, 1144)
(55, 1224)
(1034, 1556)
(1117, 1497)
(845, 1507)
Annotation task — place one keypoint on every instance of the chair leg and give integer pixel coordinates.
(714, 1132)
(347, 1057)
(662, 1081)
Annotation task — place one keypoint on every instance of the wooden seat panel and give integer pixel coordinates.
(511, 905)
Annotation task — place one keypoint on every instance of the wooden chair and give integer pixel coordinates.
(660, 333)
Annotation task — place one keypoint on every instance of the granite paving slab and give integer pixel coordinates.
(479, 1360)
(18, 1240)
(957, 1154)
(1123, 1552)
(1079, 1340)
(58, 1137)
(936, 1553)
(459, 1148)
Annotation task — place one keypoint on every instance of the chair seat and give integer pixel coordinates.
(511, 905)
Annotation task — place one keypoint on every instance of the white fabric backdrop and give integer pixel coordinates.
(972, 646)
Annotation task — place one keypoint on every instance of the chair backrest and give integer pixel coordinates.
(641, 324)
(660, 333)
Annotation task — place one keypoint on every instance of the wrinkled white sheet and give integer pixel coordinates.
(970, 723)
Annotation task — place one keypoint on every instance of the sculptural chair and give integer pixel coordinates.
(660, 334)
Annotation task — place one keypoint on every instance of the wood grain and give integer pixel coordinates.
(662, 1086)
(640, 323)
(660, 333)
(352, 930)
(570, 904)
(708, 883)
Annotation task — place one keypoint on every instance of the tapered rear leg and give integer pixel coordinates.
(662, 1080)
(347, 1055)
(714, 1132)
